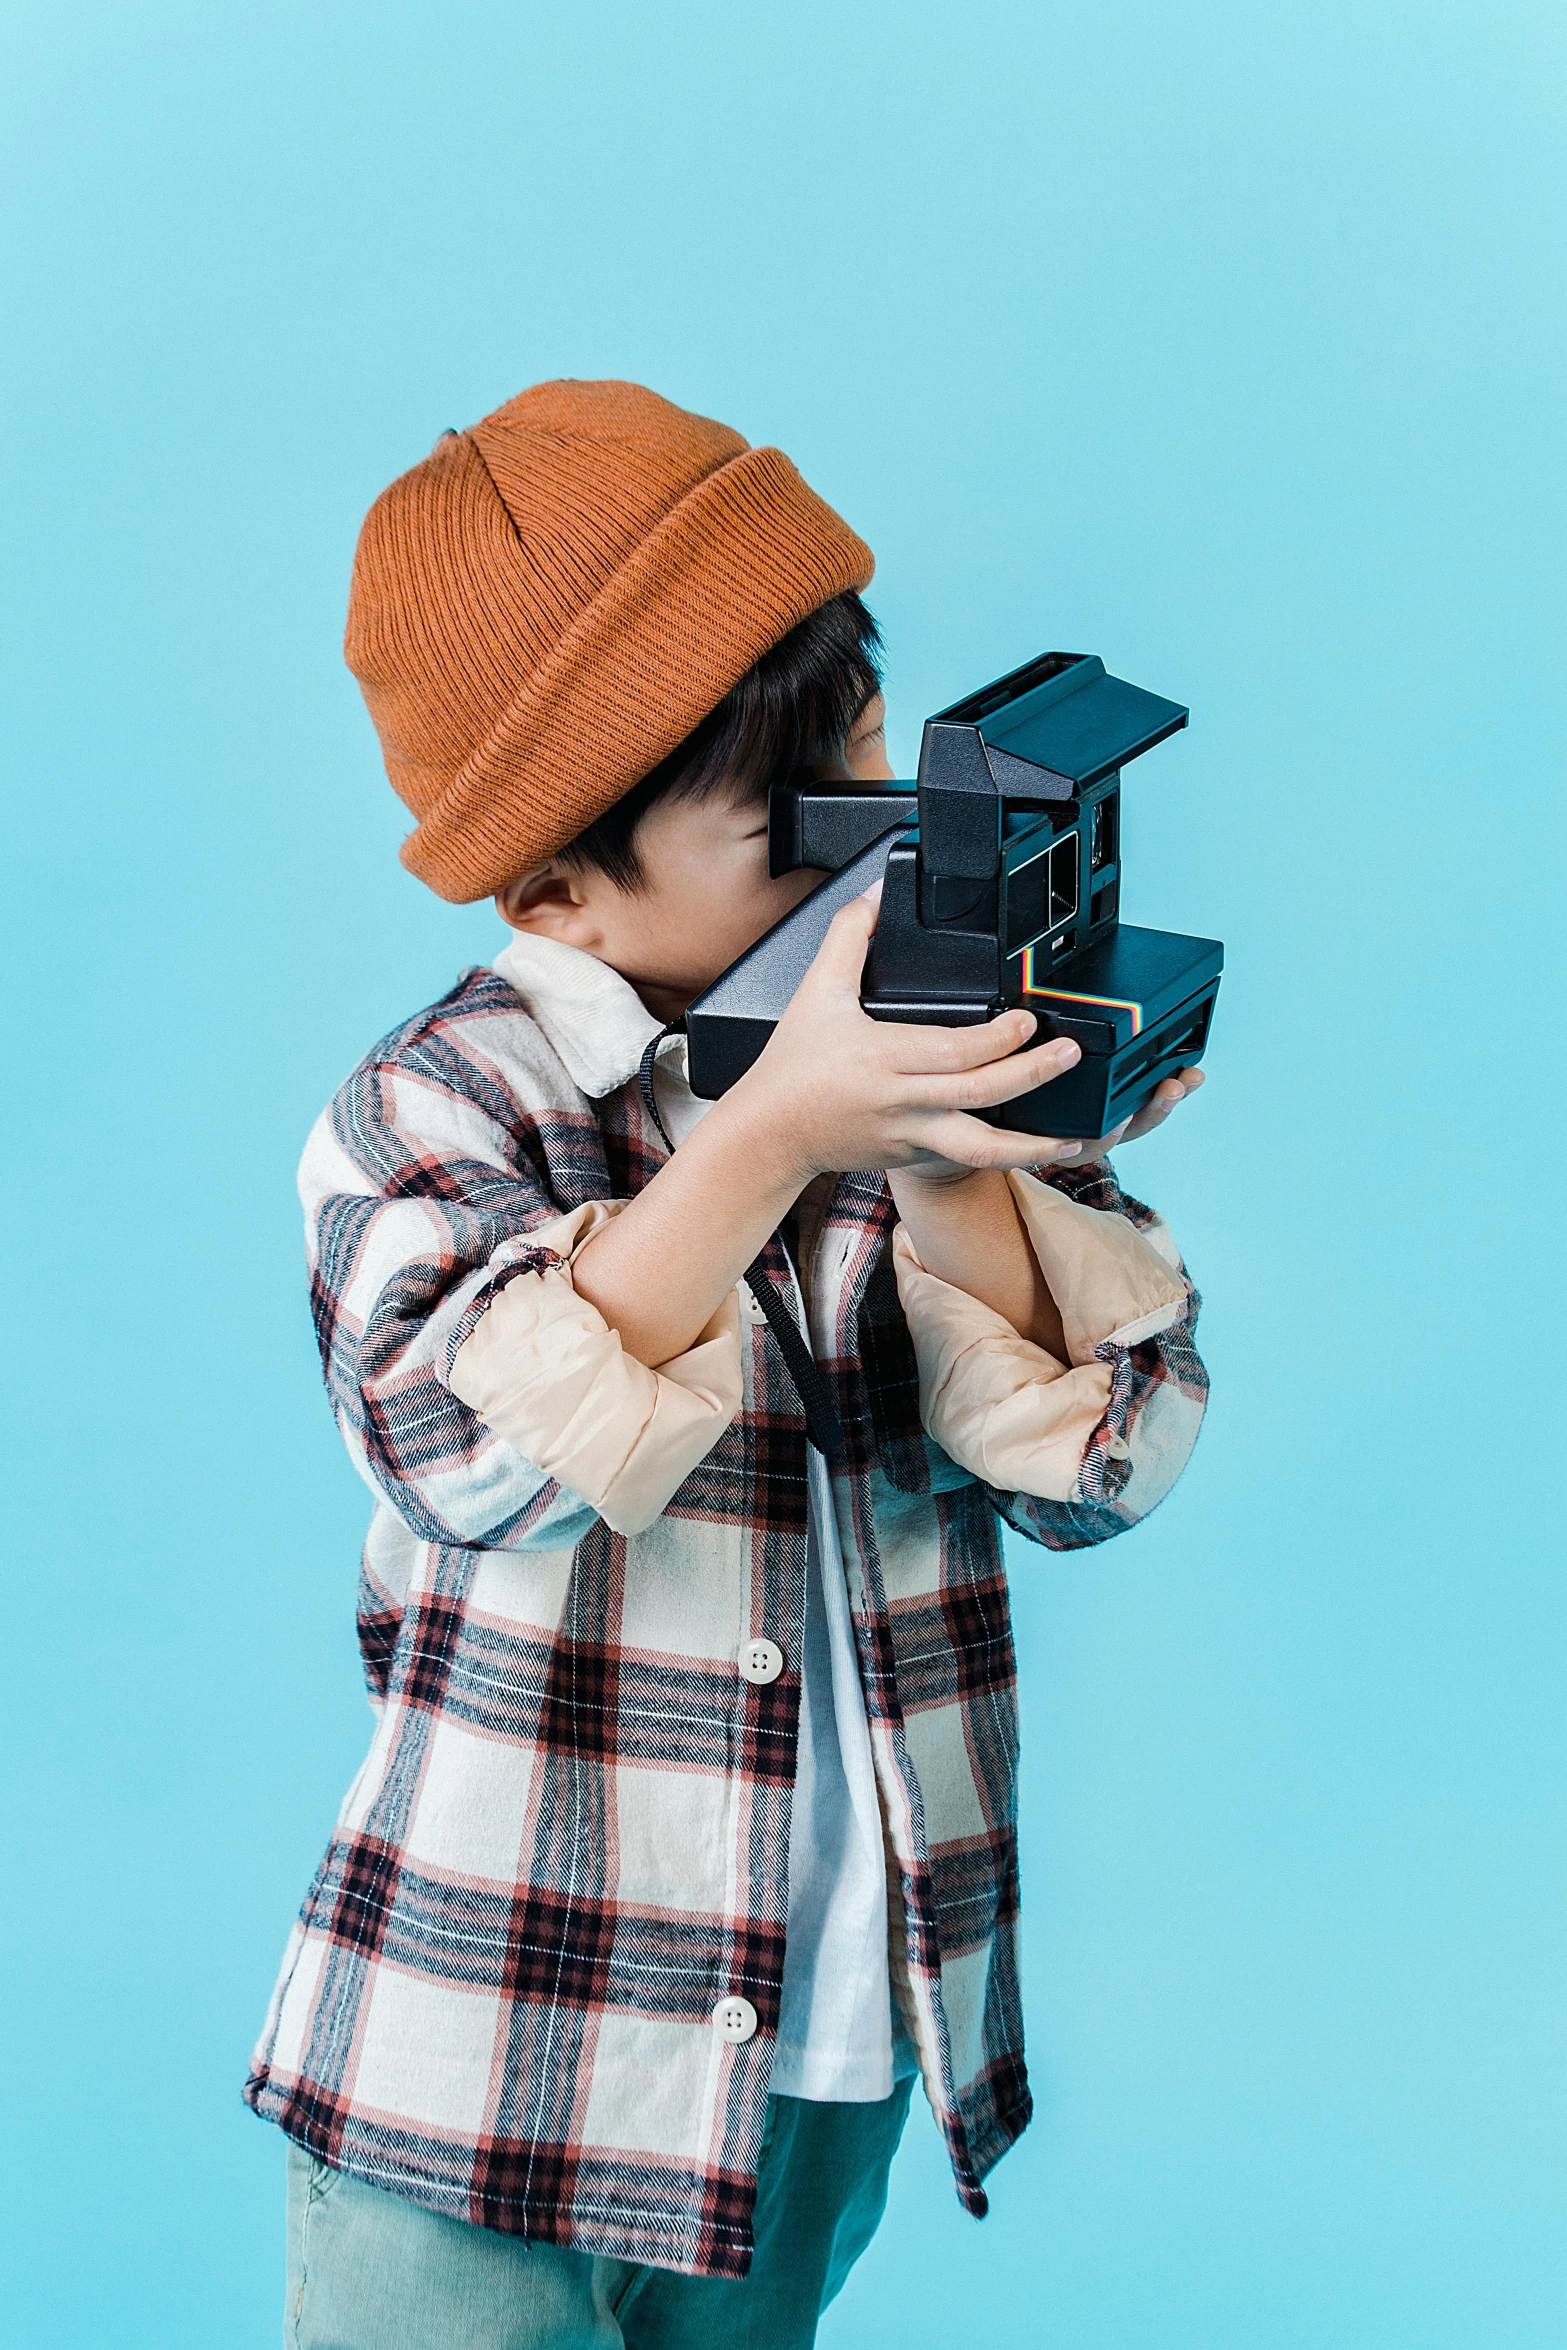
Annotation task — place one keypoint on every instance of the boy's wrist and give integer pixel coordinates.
(749, 1133)
(774, 1138)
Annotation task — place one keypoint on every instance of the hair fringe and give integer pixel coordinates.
(790, 713)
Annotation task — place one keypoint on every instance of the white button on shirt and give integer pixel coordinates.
(761, 1661)
(735, 2019)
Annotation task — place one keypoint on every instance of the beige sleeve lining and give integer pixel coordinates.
(546, 1372)
(1110, 1281)
(1004, 1408)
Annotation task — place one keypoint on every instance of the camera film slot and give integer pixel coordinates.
(1175, 1038)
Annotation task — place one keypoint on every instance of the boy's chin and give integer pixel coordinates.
(684, 985)
(668, 998)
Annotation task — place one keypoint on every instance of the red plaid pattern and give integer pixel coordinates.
(570, 1838)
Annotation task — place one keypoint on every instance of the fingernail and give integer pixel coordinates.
(1067, 1052)
(1029, 1024)
(1069, 1150)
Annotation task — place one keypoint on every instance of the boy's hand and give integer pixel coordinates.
(837, 1091)
(1167, 1095)
(834, 1091)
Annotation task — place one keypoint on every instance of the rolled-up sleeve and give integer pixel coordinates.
(427, 1202)
(1075, 1451)
(539, 1365)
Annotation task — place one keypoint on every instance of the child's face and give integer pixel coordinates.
(706, 893)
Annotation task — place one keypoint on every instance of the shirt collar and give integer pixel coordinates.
(595, 1021)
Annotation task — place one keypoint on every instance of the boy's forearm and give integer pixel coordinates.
(966, 1230)
(659, 1270)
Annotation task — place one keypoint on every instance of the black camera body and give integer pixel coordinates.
(1001, 885)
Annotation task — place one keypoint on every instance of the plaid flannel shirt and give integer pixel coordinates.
(568, 1844)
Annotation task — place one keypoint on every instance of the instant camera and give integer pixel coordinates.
(1001, 886)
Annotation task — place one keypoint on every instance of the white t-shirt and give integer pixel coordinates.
(835, 2040)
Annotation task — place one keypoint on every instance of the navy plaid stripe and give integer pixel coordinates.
(360, 1893)
(971, 1889)
(380, 1621)
(956, 1646)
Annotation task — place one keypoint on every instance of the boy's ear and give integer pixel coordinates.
(550, 902)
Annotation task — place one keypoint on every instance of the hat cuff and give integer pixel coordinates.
(680, 622)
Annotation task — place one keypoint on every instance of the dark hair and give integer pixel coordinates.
(791, 711)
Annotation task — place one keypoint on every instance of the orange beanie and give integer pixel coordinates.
(548, 605)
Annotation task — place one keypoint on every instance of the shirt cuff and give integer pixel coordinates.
(545, 1370)
(1004, 1408)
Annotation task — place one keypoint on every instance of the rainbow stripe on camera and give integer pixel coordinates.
(1065, 995)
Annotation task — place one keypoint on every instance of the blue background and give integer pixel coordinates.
(1223, 340)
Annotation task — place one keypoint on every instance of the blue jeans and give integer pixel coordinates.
(370, 2271)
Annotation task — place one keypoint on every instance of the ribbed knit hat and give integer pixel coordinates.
(548, 605)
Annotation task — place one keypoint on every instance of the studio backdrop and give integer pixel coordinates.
(1222, 342)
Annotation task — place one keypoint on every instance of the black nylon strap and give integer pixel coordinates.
(645, 1078)
(822, 1424)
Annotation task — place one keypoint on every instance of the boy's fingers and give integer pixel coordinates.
(840, 958)
(1002, 1081)
(1172, 1091)
(971, 1143)
(930, 1052)
(1167, 1095)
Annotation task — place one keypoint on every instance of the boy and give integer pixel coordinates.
(686, 1836)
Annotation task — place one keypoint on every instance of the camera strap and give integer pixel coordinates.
(822, 1424)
